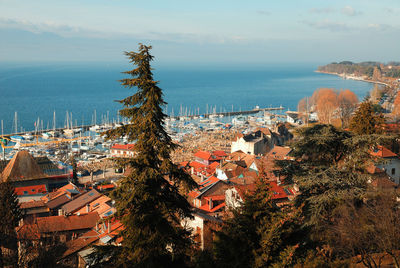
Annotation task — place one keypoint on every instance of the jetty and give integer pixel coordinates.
(245, 112)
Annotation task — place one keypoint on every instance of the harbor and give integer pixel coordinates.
(86, 142)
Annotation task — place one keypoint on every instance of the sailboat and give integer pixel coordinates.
(68, 130)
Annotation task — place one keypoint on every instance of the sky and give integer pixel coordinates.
(200, 32)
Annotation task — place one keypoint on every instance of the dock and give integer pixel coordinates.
(246, 112)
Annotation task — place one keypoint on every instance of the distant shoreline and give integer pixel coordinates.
(357, 78)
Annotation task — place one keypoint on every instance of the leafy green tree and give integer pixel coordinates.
(366, 121)
(10, 214)
(329, 169)
(148, 204)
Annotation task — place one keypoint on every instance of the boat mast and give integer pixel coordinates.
(2, 135)
(16, 122)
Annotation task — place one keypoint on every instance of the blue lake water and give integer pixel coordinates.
(36, 91)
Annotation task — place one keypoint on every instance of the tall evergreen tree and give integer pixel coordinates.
(10, 215)
(148, 201)
(365, 121)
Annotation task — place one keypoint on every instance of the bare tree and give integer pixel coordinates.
(326, 104)
(91, 167)
(105, 164)
(370, 231)
(347, 103)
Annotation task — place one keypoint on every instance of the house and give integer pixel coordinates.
(235, 196)
(280, 153)
(40, 174)
(33, 209)
(204, 227)
(241, 159)
(31, 193)
(293, 117)
(209, 198)
(77, 250)
(228, 170)
(102, 205)
(122, 150)
(79, 202)
(61, 228)
(255, 143)
(207, 158)
(387, 161)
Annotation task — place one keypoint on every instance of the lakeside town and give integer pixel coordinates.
(295, 168)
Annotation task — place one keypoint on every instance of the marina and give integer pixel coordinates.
(87, 143)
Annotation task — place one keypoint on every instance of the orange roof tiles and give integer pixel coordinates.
(280, 152)
(196, 165)
(99, 205)
(203, 155)
(54, 224)
(381, 151)
(60, 191)
(31, 190)
(277, 191)
(210, 181)
(206, 207)
(32, 204)
(123, 146)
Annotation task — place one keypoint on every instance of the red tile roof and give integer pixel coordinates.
(220, 154)
(196, 165)
(203, 155)
(381, 151)
(91, 237)
(280, 153)
(31, 190)
(123, 146)
(54, 224)
(277, 191)
(210, 181)
(32, 204)
(206, 207)
(81, 201)
(69, 223)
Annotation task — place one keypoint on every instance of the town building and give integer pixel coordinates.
(122, 150)
(33, 177)
(255, 143)
(387, 161)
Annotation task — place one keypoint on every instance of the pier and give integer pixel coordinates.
(254, 111)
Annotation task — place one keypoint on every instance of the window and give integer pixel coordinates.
(393, 171)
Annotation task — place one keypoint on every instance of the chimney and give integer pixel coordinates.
(210, 203)
(192, 170)
(97, 226)
(60, 212)
(87, 208)
(109, 227)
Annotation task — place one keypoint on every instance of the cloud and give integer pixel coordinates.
(381, 27)
(327, 25)
(325, 10)
(263, 12)
(350, 11)
(392, 10)
(48, 27)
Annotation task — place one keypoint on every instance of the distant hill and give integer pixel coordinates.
(367, 68)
